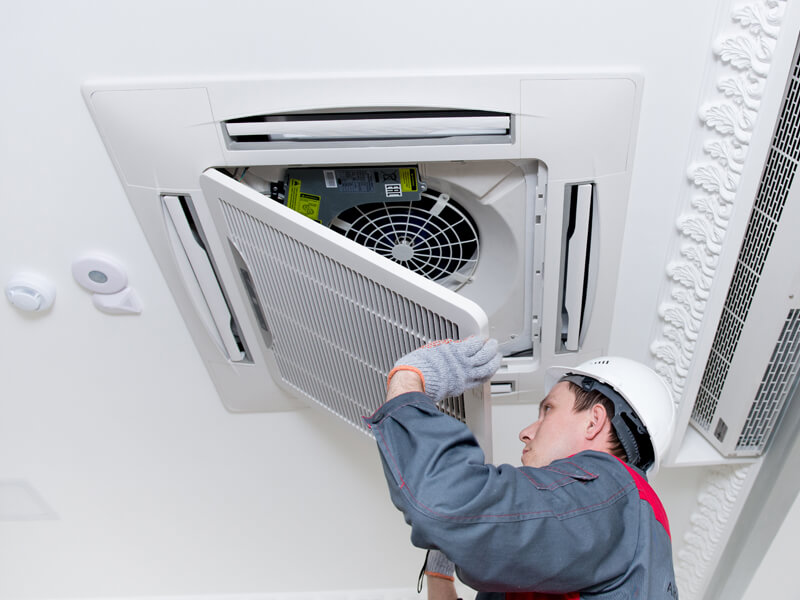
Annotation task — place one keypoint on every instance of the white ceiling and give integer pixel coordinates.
(121, 474)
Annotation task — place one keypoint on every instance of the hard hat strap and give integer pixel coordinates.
(630, 430)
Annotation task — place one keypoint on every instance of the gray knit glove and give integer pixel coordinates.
(438, 565)
(450, 367)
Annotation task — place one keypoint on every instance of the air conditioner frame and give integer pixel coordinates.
(580, 126)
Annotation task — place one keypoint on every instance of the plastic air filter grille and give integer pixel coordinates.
(776, 179)
(335, 332)
(779, 382)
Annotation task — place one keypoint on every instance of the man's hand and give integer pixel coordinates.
(448, 368)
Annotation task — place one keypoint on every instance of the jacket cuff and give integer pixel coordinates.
(440, 575)
(417, 399)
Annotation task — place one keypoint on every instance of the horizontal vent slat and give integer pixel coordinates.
(361, 127)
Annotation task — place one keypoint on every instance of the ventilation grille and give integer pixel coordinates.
(335, 333)
(778, 383)
(773, 190)
(432, 236)
(341, 128)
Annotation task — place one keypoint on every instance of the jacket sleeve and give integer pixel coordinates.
(558, 529)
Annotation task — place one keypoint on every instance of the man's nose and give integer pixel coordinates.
(528, 433)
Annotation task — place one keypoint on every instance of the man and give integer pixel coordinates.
(577, 520)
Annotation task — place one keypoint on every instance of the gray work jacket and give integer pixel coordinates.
(588, 526)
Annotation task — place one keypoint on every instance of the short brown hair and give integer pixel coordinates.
(586, 399)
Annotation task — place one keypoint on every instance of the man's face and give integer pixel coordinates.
(559, 431)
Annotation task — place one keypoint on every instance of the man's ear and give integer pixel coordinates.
(598, 418)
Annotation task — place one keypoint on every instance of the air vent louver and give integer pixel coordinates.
(457, 126)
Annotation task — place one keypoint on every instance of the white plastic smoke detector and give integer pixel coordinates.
(30, 292)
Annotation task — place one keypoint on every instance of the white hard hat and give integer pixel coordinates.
(641, 388)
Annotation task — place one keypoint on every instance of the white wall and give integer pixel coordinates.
(113, 420)
(773, 578)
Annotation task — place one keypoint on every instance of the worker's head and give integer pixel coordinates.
(609, 404)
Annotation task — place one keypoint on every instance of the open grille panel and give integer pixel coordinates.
(329, 316)
(351, 329)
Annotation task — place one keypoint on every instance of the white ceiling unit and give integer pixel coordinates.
(314, 230)
(741, 400)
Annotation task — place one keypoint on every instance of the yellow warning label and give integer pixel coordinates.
(294, 192)
(408, 180)
(306, 204)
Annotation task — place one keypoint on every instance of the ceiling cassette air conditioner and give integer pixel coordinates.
(310, 243)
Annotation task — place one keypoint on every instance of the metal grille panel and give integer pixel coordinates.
(779, 383)
(704, 408)
(757, 240)
(728, 334)
(744, 280)
(788, 130)
(335, 332)
(776, 179)
(714, 376)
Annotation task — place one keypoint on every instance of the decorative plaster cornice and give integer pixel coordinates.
(710, 525)
(743, 56)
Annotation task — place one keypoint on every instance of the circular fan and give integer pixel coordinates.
(432, 236)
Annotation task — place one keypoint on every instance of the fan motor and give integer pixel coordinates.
(432, 236)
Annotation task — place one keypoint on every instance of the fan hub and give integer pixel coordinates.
(403, 251)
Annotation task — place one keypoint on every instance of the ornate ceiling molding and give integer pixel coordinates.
(743, 55)
(710, 525)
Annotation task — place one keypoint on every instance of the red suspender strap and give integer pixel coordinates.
(649, 495)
